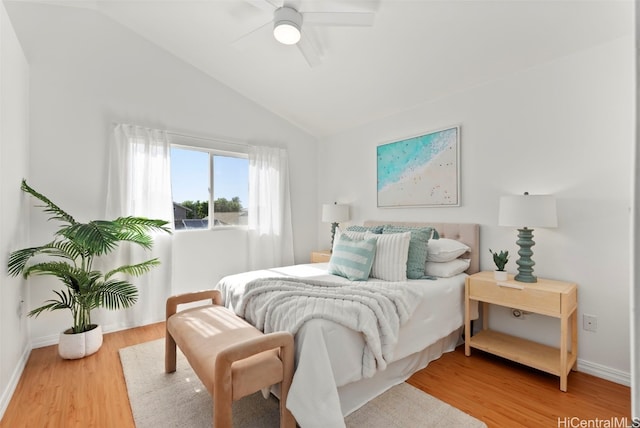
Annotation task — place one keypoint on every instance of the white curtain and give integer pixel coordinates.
(139, 184)
(270, 230)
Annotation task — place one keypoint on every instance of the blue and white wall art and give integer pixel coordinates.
(420, 171)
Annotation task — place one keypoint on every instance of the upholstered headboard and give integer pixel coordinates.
(467, 233)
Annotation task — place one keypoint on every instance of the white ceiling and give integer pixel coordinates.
(415, 52)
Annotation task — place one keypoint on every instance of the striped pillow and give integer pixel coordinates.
(390, 263)
(352, 258)
(417, 247)
(358, 236)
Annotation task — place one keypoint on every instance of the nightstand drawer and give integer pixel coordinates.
(529, 298)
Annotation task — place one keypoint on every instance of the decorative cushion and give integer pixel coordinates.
(417, 247)
(445, 250)
(351, 234)
(447, 269)
(390, 263)
(372, 229)
(352, 258)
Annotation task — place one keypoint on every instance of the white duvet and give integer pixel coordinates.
(329, 354)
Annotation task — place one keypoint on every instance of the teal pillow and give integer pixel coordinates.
(353, 258)
(417, 247)
(372, 229)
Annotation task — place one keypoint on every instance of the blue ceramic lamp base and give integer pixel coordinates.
(333, 235)
(525, 264)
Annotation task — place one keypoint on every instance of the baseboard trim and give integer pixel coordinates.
(604, 372)
(15, 378)
(42, 341)
(53, 339)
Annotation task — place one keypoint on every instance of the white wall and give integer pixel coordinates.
(88, 72)
(14, 94)
(564, 128)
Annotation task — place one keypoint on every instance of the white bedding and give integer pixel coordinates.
(375, 309)
(329, 355)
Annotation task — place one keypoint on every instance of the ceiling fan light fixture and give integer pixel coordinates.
(286, 33)
(286, 25)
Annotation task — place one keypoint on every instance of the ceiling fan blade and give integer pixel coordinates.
(253, 37)
(351, 19)
(309, 50)
(264, 5)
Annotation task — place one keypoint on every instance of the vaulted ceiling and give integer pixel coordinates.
(415, 52)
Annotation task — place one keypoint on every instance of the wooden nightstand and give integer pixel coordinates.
(547, 297)
(321, 256)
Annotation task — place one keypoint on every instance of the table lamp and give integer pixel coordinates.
(334, 214)
(523, 212)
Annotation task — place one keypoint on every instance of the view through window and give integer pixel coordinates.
(193, 173)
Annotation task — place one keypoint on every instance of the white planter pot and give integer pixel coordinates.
(500, 275)
(79, 345)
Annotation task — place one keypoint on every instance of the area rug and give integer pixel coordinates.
(179, 399)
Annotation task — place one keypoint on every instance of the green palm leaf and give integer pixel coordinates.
(143, 240)
(117, 294)
(137, 230)
(70, 248)
(142, 224)
(49, 207)
(18, 259)
(58, 269)
(134, 270)
(66, 302)
(71, 276)
(96, 237)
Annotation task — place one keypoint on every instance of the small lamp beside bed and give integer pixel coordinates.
(523, 212)
(334, 214)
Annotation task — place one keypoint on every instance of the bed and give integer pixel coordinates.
(336, 370)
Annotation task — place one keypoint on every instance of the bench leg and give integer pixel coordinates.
(286, 418)
(169, 354)
(223, 404)
(287, 355)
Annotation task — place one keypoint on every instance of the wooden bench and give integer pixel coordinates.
(232, 358)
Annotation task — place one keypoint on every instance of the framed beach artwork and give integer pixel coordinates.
(420, 171)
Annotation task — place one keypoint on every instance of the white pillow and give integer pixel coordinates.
(445, 250)
(390, 263)
(446, 269)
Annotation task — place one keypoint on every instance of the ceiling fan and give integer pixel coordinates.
(290, 24)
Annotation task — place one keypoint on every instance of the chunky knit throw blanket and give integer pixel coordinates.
(375, 309)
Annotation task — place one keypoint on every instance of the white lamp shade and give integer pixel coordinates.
(335, 213)
(528, 211)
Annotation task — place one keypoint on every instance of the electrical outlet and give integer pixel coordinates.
(589, 322)
(518, 314)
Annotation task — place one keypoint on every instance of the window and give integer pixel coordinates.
(194, 172)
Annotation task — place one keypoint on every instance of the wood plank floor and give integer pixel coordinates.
(506, 394)
(91, 392)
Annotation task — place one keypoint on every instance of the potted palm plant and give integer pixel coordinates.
(500, 259)
(70, 257)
